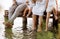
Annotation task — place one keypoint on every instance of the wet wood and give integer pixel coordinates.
(6, 13)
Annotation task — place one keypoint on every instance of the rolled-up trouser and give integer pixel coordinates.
(11, 11)
(17, 11)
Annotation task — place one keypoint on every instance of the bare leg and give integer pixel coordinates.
(30, 10)
(11, 11)
(47, 21)
(18, 10)
(25, 11)
(55, 14)
(34, 22)
(40, 24)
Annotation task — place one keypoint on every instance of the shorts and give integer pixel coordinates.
(51, 6)
(38, 11)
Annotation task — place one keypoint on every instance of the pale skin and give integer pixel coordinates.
(48, 15)
(27, 9)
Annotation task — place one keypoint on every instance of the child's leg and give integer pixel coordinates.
(47, 20)
(55, 21)
(30, 10)
(34, 22)
(25, 11)
(55, 14)
(40, 23)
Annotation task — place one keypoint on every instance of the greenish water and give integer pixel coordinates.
(25, 35)
(18, 33)
(28, 34)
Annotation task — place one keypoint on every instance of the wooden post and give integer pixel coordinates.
(24, 23)
(6, 15)
(6, 19)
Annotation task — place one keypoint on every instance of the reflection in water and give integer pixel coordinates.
(17, 33)
(31, 35)
(8, 33)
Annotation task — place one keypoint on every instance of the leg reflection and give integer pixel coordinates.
(29, 35)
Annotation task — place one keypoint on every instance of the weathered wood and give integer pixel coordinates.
(6, 13)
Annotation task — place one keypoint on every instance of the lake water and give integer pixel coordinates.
(16, 32)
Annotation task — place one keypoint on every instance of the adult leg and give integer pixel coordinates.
(40, 23)
(11, 11)
(18, 10)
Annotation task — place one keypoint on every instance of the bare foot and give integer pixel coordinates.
(27, 15)
(46, 30)
(39, 30)
(24, 15)
(34, 28)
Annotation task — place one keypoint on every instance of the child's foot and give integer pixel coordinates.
(23, 15)
(46, 30)
(56, 17)
(27, 15)
(33, 29)
(39, 30)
